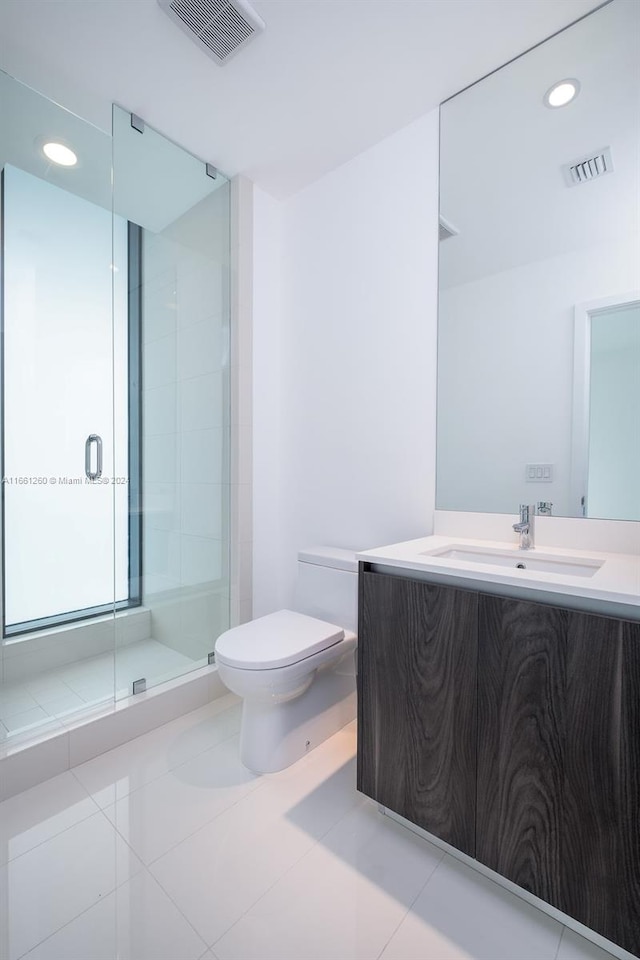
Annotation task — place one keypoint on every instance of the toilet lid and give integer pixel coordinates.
(277, 640)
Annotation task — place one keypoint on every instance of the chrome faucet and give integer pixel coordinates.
(525, 526)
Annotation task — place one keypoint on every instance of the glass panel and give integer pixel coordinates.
(183, 220)
(57, 391)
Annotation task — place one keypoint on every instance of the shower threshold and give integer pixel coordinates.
(54, 744)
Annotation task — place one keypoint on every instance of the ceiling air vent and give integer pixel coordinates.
(588, 168)
(446, 229)
(219, 27)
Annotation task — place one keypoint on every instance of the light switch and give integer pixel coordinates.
(539, 473)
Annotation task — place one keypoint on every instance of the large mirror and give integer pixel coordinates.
(539, 302)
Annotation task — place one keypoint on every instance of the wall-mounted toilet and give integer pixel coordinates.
(295, 670)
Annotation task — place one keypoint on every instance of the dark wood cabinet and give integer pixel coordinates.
(558, 759)
(552, 696)
(417, 703)
(521, 740)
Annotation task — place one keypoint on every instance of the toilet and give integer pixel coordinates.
(295, 669)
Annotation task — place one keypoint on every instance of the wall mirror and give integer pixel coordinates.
(539, 278)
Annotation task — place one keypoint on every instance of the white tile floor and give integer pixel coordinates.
(54, 697)
(168, 849)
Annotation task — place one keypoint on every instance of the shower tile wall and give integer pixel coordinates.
(185, 442)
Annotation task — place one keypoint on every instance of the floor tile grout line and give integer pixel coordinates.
(203, 825)
(145, 867)
(560, 942)
(417, 896)
(98, 810)
(291, 866)
(178, 908)
(496, 882)
(260, 784)
(165, 772)
(53, 933)
(234, 803)
(168, 771)
(54, 836)
(101, 899)
(72, 771)
(65, 729)
(189, 837)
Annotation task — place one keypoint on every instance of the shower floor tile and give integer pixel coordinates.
(58, 694)
(25, 720)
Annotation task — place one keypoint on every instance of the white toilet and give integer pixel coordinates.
(296, 670)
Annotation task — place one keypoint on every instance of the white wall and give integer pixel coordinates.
(495, 413)
(268, 404)
(345, 359)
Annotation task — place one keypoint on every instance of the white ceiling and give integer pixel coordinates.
(328, 78)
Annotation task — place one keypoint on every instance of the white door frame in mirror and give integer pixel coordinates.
(583, 313)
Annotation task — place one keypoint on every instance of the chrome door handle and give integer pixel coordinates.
(91, 439)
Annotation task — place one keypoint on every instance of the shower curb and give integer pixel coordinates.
(25, 764)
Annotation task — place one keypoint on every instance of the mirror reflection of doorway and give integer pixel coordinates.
(606, 461)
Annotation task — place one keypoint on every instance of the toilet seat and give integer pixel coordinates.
(276, 640)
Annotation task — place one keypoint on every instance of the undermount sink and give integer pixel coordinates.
(519, 560)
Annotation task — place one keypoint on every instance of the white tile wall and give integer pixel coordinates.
(161, 302)
(202, 290)
(160, 459)
(202, 509)
(200, 348)
(159, 362)
(202, 456)
(202, 560)
(161, 408)
(162, 506)
(200, 402)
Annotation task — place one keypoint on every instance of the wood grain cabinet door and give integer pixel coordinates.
(601, 823)
(417, 703)
(559, 760)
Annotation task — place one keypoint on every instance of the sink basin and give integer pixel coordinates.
(519, 560)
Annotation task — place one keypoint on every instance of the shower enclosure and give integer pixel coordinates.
(114, 391)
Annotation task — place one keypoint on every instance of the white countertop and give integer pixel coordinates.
(614, 587)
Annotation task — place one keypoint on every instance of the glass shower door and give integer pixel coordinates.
(63, 312)
(59, 482)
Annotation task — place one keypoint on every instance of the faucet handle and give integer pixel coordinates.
(544, 508)
(527, 510)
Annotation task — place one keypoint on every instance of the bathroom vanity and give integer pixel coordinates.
(499, 710)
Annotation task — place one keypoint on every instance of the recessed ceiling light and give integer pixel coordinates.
(562, 93)
(58, 153)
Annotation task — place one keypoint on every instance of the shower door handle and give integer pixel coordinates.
(91, 439)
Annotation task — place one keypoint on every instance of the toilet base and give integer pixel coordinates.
(275, 735)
